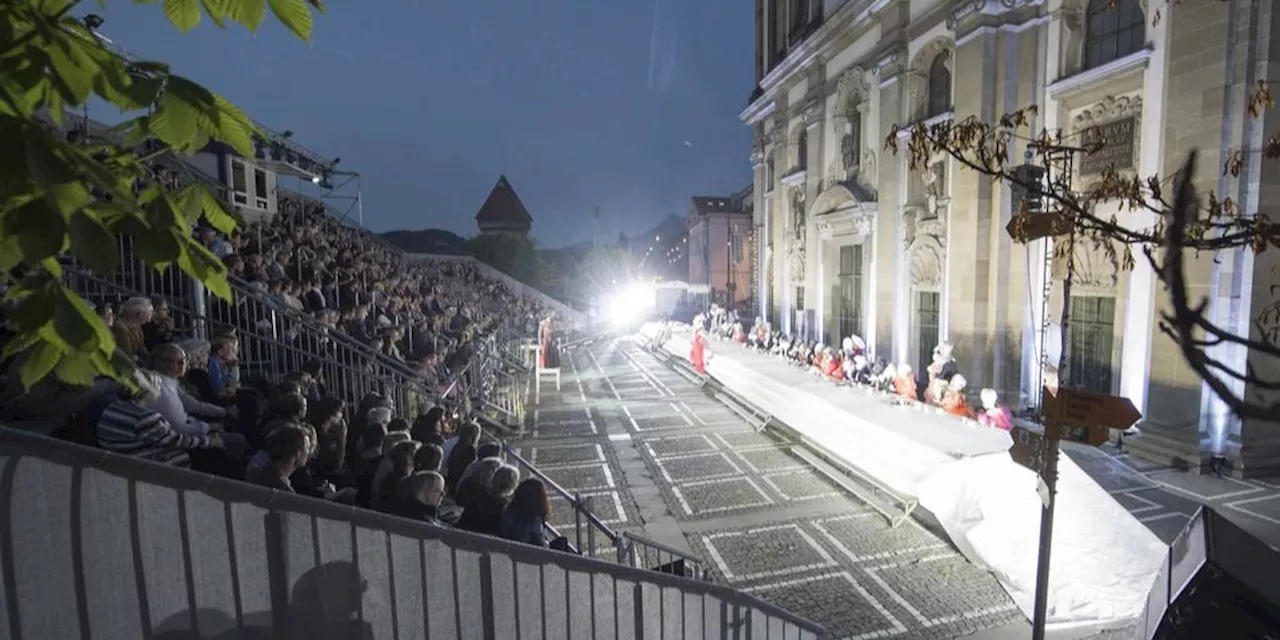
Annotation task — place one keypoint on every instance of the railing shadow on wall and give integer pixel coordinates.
(99, 545)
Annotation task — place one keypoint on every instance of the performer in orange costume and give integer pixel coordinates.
(698, 353)
(953, 399)
(905, 384)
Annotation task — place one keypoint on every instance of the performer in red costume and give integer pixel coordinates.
(698, 352)
(549, 349)
(994, 414)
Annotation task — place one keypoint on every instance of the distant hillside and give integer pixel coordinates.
(436, 241)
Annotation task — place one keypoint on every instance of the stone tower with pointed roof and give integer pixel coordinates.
(502, 211)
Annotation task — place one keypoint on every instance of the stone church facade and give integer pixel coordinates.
(855, 242)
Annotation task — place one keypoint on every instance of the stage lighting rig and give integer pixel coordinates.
(94, 21)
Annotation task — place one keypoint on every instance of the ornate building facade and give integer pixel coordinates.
(853, 241)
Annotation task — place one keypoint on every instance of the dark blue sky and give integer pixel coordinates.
(627, 104)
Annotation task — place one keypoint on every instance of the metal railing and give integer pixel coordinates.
(95, 544)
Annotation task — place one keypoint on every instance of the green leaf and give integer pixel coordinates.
(77, 368)
(174, 121)
(38, 231)
(217, 12)
(93, 243)
(74, 329)
(184, 14)
(234, 127)
(37, 363)
(200, 263)
(294, 14)
(249, 13)
(214, 213)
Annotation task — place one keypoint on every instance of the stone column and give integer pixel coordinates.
(760, 227)
(816, 299)
(968, 280)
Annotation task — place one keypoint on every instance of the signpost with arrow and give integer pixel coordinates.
(1038, 451)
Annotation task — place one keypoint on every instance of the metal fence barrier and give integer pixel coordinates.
(99, 545)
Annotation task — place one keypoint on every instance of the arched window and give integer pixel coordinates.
(1113, 29)
(939, 85)
(802, 148)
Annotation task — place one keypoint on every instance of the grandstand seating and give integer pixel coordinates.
(366, 320)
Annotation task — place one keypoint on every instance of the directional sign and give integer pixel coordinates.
(1087, 409)
(1028, 448)
(1030, 227)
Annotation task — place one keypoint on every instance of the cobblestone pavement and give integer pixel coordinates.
(838, 563)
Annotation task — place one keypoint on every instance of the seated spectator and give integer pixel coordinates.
(285, 453)
(159, 330)
(370, 484)
(328, 416)
(428, 458)
(485, 516)
(426, 429)
(181, 409)
(461, 458)
(526, 517)
(128, 427)
(127, 329)
(471, 484)
(418, 497)
(402, 466)
(468, 433)
(224, 355)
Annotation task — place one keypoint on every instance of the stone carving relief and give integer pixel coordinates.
(795, 262)
(863, 224)
(1096, 266)
(935, 189)
(1113, 109)
(867, 170)
(926, 248)
(813, 111)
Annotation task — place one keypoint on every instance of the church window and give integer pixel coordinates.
(802, 149)
(1113, 30)
(939, 85)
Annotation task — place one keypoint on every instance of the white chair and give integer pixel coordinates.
(540, 371)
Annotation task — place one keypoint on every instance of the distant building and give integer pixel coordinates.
(720, 248)
(502, 211)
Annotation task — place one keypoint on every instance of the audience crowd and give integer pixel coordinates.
(192, 406)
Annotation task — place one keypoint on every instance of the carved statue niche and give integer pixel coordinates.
(795, 260)
(926, 251)
(853, 90)
(935, 188)
(1268, 320)
(1096, 266)
(798, 214)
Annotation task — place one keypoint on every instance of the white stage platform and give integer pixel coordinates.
(1103, 562)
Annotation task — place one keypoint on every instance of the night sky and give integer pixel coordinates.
(629, 105)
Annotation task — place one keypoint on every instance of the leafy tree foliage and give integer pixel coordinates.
(62, 200)
(512, 254)
(1184, 225)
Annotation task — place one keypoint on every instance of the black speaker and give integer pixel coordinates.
(1218, 581)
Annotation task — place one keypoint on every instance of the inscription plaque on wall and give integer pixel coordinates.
(1112, 145)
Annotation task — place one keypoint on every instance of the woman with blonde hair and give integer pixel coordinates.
(127, 329)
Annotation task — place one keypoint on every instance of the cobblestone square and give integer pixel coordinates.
(606, 505)
(801, 485)
(837, 601)
(555, 455)
(866, 536)
(944, 589)
(1135, 503)
(769, 460)
(745, 439)
(638, 393)
(556, 415)
(582, 477)
(565, 429)
(697, 467)
(658, 423)
(711, 497)
(765, 552)
(679, 445)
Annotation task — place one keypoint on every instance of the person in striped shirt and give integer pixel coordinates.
(129, 427)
